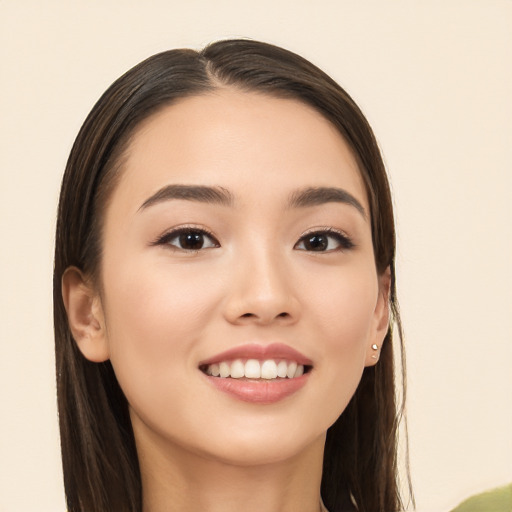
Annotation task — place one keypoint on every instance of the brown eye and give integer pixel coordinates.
(316, 243)
(188, 240)
(324, 241)
(191, 241)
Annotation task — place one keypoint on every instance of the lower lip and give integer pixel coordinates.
(259, 391)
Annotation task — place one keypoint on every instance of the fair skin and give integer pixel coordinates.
(264, 270)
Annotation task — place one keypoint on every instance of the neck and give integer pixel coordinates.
(196, 483)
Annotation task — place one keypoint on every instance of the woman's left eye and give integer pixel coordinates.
(189, 239)
(324, 241)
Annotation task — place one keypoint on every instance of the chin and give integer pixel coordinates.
(257, 447)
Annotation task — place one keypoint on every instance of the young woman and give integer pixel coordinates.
(224, 284)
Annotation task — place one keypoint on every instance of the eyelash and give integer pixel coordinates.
(186, 230)
(343, 241)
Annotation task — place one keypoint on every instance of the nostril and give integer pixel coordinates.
(265, 317)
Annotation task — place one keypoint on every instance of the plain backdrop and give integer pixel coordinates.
(435, 81)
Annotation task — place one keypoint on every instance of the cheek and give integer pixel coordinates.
(161, 302)
(344, 307)
(155, 318)
(344, 319)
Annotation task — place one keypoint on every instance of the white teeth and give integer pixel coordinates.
(269, 369)
(254, 369)
(237, 369)
(214, 370)
(282, 367)
(290, 373)
(225, 369)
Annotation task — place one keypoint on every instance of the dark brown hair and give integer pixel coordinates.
(101, 471)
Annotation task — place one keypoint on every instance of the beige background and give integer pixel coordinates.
(435, 80)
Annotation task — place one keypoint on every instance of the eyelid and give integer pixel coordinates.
(178, 230)
(344, 240)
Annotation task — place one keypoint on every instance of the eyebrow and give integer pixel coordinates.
(311, 196)
(314, 196)
(199, 193)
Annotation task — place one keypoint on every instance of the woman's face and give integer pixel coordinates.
(239, 233)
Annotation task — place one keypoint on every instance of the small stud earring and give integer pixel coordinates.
(375, 347)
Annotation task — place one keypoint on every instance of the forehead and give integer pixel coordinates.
(248, 142)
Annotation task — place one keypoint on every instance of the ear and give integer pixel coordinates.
(380, 319)
(85, 315)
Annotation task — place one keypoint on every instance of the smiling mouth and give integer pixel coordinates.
(254, 369)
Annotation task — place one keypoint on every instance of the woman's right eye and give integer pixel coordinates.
(189, 239)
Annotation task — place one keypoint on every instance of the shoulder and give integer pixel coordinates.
(496, 500)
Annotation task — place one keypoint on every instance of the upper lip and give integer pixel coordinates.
(260, 352)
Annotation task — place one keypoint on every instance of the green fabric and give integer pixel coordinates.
(497, 500)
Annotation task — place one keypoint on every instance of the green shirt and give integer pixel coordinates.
(497, 500)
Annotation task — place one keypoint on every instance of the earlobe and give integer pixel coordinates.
(381, 319)
(85, 315)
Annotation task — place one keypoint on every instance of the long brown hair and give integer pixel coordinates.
(101, 470)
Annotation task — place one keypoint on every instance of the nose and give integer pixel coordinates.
(262, 291)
